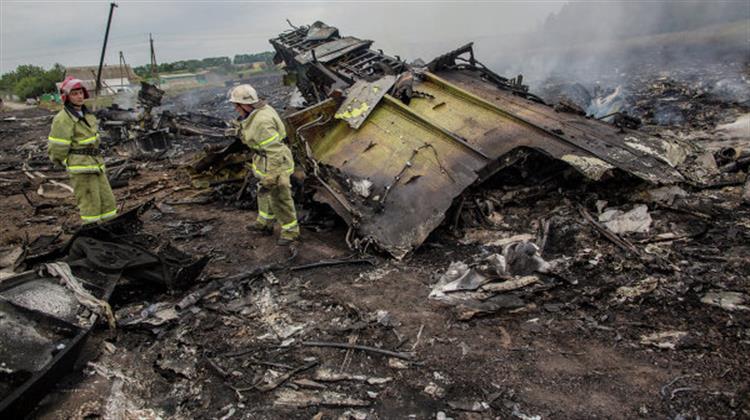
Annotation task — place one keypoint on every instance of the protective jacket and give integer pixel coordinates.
(264, 133)
(74, 142)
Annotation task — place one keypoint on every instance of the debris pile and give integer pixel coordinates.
(47, 315)
(453, 124)
(487, 288)
(693, 95)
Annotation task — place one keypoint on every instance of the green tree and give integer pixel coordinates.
(28, 81)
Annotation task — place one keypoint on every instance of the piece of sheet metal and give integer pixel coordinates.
(361, 100)
(417, 156)
(332, 50)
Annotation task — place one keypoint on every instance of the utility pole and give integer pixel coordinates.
(154, 66)
(122, 68)
(104, 49)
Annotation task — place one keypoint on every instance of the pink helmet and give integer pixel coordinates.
(69, 84)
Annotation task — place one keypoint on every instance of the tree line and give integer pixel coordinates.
(192, 66)
(29, 81)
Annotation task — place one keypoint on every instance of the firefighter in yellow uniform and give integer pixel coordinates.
(73, 143)
(262, 130)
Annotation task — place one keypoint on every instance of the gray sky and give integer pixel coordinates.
(71, 33)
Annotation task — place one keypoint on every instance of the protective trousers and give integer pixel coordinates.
(275, 192)
(94, 196)
(277, 203)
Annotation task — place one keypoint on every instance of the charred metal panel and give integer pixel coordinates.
(569, 137)
(415, 171)
(392, 166)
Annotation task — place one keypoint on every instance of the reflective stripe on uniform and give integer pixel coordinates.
(261, 173)
(269, 140)
(88, 140)
(102, 216)
(109, 214)
(89, 219)
(266, 215)
(85, 168)
(258, 171)
(290, 225)
(58, 140)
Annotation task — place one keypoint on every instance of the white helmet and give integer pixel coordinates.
(243, 94)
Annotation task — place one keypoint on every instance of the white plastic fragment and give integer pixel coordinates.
(637, 220)
(665, 340)
(731, 301)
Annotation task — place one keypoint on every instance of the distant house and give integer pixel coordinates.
(114, 78)
(182, 79)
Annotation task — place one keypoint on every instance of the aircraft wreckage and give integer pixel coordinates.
(392, 145)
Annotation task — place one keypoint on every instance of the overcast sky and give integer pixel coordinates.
(71, 33)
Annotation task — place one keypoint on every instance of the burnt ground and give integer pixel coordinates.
(576, 347)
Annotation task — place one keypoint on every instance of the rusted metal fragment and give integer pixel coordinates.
(362, 98)
(415, 169)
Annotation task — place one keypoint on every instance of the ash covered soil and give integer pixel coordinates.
(612, 333)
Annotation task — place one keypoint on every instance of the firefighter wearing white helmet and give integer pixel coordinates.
(73, 143)
(262, 130)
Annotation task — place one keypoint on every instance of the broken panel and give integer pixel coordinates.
(391, 164)
(362, 98)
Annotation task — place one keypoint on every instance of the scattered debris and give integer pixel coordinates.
(642, 287)
(471, 406)
(666, 195)
(151, 315)
(399, 355)
(96, 259)
(327, 375)
(665, 340)
(434, 390)
(637, 220)
(731, 301)
(299, 399)
(475, 291)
